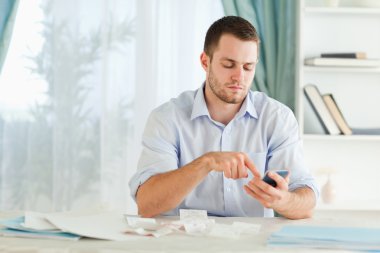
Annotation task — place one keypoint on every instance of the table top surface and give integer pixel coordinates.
(186, 243)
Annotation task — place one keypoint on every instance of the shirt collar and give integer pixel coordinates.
(200, 107)
(248, 107)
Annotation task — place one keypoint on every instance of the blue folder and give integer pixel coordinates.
(352, 238)
(13, 227)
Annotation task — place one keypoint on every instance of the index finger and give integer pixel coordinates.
(251, 166)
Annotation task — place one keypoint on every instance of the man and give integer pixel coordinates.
(208, 149)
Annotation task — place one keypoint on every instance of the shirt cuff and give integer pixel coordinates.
(310, 185)
(140, 178)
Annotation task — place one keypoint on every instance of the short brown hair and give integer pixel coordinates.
(236, 26)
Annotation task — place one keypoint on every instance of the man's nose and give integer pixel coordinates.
(238, 74)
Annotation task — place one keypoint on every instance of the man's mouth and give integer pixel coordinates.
(235, 87)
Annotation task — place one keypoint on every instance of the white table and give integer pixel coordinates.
(185, 243)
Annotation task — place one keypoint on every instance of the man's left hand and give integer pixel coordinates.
(269, 196)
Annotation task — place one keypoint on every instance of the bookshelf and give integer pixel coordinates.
(340, 10)
(341, 70)
(350, 138)
(352, 158)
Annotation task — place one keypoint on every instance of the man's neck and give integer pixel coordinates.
(220, 111)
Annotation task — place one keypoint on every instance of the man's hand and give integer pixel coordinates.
(293, 205)
(234, 165)
(165, 191)
(268, 196)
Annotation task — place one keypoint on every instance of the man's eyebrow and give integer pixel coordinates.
(232, 60)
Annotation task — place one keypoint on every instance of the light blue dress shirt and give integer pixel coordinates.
(182, 130)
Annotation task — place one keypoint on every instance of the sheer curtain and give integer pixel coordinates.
(75, 96)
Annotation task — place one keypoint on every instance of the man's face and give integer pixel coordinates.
(231, 70)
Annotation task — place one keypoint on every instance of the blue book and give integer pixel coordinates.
(352, 238)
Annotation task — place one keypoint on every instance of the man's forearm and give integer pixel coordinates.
(165, 191)
(300, 205)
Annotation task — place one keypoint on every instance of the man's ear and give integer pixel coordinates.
(204, 61)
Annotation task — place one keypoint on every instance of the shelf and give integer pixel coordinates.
(341, 29)
(320, 137)
(341, 69)
(342, 10)
(349, 205)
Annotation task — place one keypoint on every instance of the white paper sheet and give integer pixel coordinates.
(156, 233)
(145, 223)
(38, 221)
(108, 226)
(192, 214)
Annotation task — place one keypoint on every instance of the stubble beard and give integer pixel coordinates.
(216, 88)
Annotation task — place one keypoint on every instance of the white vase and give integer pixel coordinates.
(328, 192)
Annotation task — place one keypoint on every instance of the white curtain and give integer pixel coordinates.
(77, 86)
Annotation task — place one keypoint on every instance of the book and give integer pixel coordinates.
(312, 124)
(343, 62)
(358, 55)
(317, 103)
(365, 131)
(327, 237)
(336, 113)
(344, 127)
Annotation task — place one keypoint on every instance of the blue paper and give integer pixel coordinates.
(343, 234)
(13, 227)
(351, 238)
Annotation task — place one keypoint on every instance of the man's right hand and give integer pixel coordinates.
(234, 165)
(165, 191)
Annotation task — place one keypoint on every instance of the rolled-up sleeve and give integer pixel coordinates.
(160, 150)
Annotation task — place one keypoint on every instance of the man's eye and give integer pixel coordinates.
(249, 67)
(228, 66)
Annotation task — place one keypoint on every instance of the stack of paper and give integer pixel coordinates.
(192, 222)
(350, 238)
(68, 226)
(15, 228)
(113, 226)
